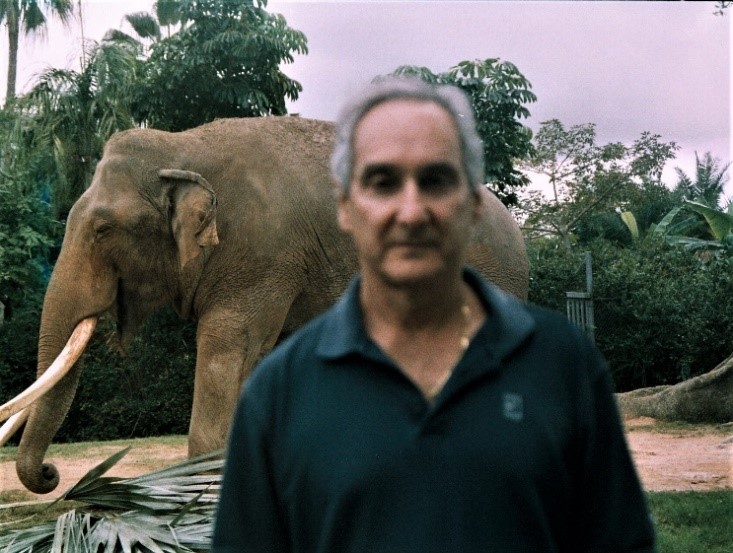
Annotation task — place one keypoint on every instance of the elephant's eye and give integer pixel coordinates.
(101, 229)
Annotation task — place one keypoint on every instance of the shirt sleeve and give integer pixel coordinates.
(249, 518)
(617, 519)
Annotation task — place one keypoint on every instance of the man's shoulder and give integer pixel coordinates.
(510, 308)
(532, 325)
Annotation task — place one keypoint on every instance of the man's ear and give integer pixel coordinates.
(344, 213)
(478, 203)
(342, 199)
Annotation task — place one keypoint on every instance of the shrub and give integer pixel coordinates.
(147, 393)
(662, 314)
(18, 344)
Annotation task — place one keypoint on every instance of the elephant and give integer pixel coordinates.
(232, 223)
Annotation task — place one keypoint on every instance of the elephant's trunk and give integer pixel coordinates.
(47, 414)
(58, 369)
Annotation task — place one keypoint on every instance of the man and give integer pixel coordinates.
(427, 410)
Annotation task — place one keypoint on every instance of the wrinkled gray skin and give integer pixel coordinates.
(250, 252)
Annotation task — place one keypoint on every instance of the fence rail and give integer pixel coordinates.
(580, 311)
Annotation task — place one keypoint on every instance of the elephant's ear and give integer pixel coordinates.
(193, 216)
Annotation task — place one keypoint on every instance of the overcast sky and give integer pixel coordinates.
(627, 66)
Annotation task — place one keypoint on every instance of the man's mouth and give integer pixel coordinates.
(413, 245)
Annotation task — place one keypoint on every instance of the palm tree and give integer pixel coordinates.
(147, 26)
(77, 111)
(710, 178)
(27, 15)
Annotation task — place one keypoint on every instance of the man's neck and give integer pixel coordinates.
(412, 306)
(424, 329)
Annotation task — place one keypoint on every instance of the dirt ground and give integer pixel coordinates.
(681, 457)
(668, 458)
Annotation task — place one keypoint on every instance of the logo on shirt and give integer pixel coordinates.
(513, 407)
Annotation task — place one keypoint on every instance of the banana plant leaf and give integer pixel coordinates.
(720, 222)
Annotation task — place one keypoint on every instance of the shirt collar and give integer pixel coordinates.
(508, 322)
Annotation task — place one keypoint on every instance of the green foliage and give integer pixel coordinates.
(75, 112)
(226, 63)
(693, 521)
(710, 179)
(654, 306)
(27, 234)
(714, 237)
(499, 93)
(28, 16)
(147, 393)
(27, 231)
(18, 344)
(24, 241)
(587, 179)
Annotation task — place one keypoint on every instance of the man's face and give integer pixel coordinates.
(410, 208)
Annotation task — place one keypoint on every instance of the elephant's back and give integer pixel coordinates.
(279, 135)
(497, 249)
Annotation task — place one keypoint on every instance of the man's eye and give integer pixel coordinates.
(436, 183)
(382, 184)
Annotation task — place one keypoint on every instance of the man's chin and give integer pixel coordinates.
(410, 274)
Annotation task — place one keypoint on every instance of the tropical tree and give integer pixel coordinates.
(499, 93)
(148, 27)
(718, 227)
(28, 16)
(702, 218)
(587, 179)
(76, 111)
(710, 180)
(225, 63)
(721, 6)
(25, 222)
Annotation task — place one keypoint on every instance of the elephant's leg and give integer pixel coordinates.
(228, 347)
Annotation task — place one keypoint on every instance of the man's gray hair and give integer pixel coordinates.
(450, 98)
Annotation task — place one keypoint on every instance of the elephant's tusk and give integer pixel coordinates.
(63, 363)
(12, 425)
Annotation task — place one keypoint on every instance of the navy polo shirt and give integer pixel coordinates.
(334, 449)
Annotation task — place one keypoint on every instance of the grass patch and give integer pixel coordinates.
(27, 516)
(80, 450)
(679, 427)
(688, 522)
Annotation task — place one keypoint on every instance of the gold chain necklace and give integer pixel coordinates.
(465, 340)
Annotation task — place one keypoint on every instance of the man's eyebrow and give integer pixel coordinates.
(440, 167)
(377, 169)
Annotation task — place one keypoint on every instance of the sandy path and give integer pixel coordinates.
(691, 459)
(679, 459)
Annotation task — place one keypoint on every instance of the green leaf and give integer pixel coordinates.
(630, 221)
(720, 222)
(661, 228)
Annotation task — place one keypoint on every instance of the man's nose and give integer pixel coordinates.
(411, 208)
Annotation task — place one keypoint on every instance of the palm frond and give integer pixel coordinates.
(165, 511)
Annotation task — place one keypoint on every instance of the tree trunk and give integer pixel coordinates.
(13, 23)
(705, 398)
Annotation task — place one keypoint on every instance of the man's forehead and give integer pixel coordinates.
(406, 120)
(406, 133)
(406, 108)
